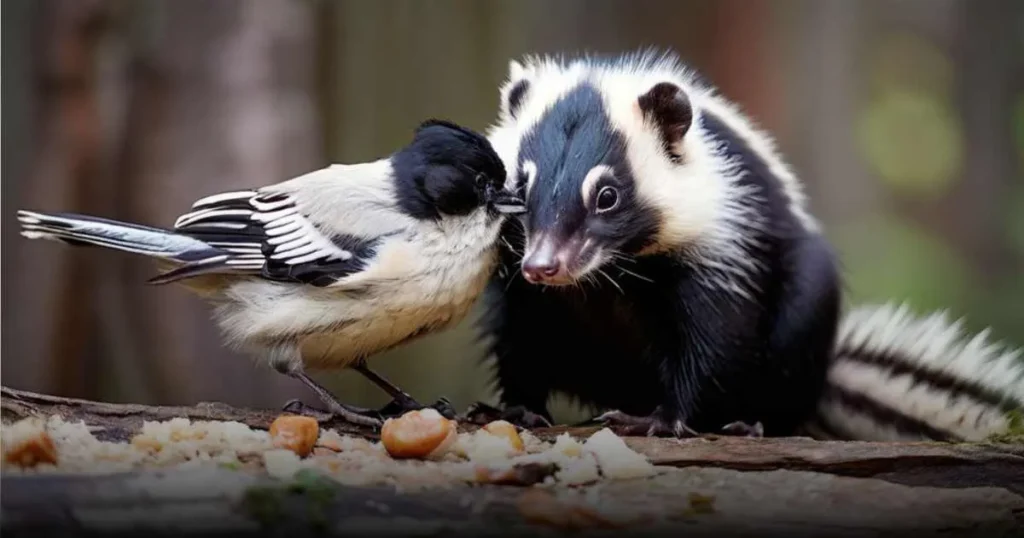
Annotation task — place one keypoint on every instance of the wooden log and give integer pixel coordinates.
(710, 486)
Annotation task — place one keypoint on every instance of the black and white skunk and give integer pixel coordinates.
(668, 272)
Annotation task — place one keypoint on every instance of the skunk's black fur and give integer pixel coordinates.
(708, 357)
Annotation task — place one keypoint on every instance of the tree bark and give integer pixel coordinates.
(789, 487)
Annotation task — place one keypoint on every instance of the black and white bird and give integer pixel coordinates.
(669, 272)
(325, 269)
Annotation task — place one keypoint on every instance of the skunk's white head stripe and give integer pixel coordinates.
(703, 205)
(590, 183)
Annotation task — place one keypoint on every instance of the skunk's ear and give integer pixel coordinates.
(667, 107)
(514, 90)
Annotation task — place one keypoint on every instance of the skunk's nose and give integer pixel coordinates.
(543, 264)
(541, 270)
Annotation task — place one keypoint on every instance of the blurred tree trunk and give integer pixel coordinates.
(749, 76)
(223, 100)
(181, 101)
(49, 284)
(823, 95)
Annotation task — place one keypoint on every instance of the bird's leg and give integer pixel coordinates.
(286, 359)
(350, 413)
(401, 401)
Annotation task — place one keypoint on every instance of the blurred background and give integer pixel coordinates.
(905, 119)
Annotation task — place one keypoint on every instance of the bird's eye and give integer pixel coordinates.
(607, 199)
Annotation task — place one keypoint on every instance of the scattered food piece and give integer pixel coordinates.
(420, 434)
(567, 445)
(420, 450)
(505, 429)
(28, 444)
(282, 463)
(484, 446)
(579, 471)
(616, 459)
(524, 474)
(296, 433)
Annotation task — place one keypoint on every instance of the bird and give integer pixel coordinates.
(321, 271)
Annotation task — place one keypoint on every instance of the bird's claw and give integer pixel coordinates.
(653, 425)
(742, 429)
(400, 406)
(481, 413)
(346, 413)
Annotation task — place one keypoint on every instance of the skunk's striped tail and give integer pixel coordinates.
(190, 254)
(899, 377)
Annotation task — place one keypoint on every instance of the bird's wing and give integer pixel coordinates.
(266, 234)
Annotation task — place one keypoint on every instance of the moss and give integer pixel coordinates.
(319, 491)
(700, 504)
(1014, 430)
(266, 503)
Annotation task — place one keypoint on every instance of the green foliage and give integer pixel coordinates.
(909, 132)
(886, 259)
(1018, 128)
(913, 141)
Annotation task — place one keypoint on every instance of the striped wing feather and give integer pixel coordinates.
(265, 234)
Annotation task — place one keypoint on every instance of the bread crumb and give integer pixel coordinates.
(483, 446)
(615, 458)
(28, 444)
(281, 463)
(501, 428)
(579, 471)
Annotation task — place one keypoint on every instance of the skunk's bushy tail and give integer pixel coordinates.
(897, 376)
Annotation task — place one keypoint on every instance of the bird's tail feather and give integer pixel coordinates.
(190, 256)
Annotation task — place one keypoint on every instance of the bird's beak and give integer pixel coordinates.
(507, 203)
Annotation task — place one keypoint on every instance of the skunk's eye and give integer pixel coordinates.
(607, 199)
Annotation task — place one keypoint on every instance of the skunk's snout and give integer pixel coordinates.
(548, 261)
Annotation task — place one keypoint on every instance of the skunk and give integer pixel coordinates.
(668, 272)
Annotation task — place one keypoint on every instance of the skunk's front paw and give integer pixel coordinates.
(481, 413)
(742, 429)
(654, 425)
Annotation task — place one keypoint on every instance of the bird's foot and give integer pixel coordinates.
(404, 403)
(481, 413)
(742, 429)
(348, 413)
(653, 425)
